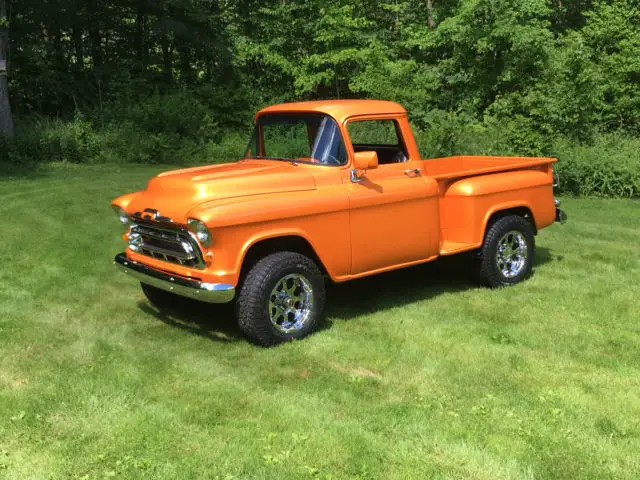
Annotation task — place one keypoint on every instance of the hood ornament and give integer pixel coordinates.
(152, 215)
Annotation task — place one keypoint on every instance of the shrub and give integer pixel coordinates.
(231, 148)
(173, 115)
(177, 129)
(460, 134)
(74, 141)
(171, 128)
(610, 168)
(43, 140)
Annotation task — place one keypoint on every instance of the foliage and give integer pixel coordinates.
(159, 129)
(163, 81)
(174, 127)
(566, 69)
(608, 168)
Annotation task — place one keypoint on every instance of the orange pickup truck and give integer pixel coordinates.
(331, 189)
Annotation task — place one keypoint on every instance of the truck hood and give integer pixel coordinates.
(176, 193)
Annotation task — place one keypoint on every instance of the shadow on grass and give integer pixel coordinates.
(544, 256)
(403, 287)
(397, 289)
(346, 300)
(215, 322)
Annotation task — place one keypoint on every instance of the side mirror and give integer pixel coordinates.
(365, 160)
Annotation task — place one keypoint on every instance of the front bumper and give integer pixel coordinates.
(205, 292)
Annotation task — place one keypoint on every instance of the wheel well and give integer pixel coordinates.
(524, 212)
(292, 243)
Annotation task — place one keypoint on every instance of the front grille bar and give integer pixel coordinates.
(166, 242)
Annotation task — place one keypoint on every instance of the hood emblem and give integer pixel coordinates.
(152, 215)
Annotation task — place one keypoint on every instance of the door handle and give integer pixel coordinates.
(413, 173)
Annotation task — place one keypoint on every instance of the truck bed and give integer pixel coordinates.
(467, 166)
(473, 188)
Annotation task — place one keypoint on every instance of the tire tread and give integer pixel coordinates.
(250, 302)
(488, 272)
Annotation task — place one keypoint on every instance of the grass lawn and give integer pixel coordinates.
(419, 374)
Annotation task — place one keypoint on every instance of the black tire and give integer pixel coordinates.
(510, 231)
(256, 298)
(160, 299)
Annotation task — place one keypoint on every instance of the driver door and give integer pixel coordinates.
(394, 213)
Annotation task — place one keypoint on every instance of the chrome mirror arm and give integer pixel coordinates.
(357, 175)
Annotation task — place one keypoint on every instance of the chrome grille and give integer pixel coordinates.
(167, 243)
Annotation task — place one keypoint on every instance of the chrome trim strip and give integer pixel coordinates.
(167, 253)
(205, 292)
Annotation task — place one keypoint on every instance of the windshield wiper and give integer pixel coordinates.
(280, 159)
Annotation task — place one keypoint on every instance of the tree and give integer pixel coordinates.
(6, 122)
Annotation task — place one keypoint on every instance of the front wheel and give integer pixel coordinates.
(506, 257)
(282, 298)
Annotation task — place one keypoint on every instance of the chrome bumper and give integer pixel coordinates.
(205, 292)
(561, 217)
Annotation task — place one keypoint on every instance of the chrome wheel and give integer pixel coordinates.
(291, 303)
(512, 253)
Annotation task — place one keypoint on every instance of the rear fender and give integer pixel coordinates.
(524, 209)
(468, 205)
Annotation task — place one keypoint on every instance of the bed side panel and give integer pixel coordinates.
(468, 204)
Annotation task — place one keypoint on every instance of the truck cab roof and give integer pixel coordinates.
(340, 110)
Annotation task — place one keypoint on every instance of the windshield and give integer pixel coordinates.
(304, 138)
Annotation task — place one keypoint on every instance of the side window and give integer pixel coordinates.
(373, 132)
(381, 136)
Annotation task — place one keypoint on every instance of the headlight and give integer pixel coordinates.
(122, 215)
(201, 231)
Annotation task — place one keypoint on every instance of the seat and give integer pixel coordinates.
(400, 157)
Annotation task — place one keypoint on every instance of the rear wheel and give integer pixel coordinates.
(506, 257)
(282, 298)
(160, 299)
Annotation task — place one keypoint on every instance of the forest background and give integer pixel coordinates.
(178, 81)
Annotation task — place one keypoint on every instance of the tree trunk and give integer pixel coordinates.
(431, 22)
(96, 47)
(167, 60)
(76, 37)
(6, 121)
(141, 34)
(95, 34)
(168, 42)
(77, 45)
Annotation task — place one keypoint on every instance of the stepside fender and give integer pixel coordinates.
(468, 204)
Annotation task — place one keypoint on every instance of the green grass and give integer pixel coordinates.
(419, 374)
